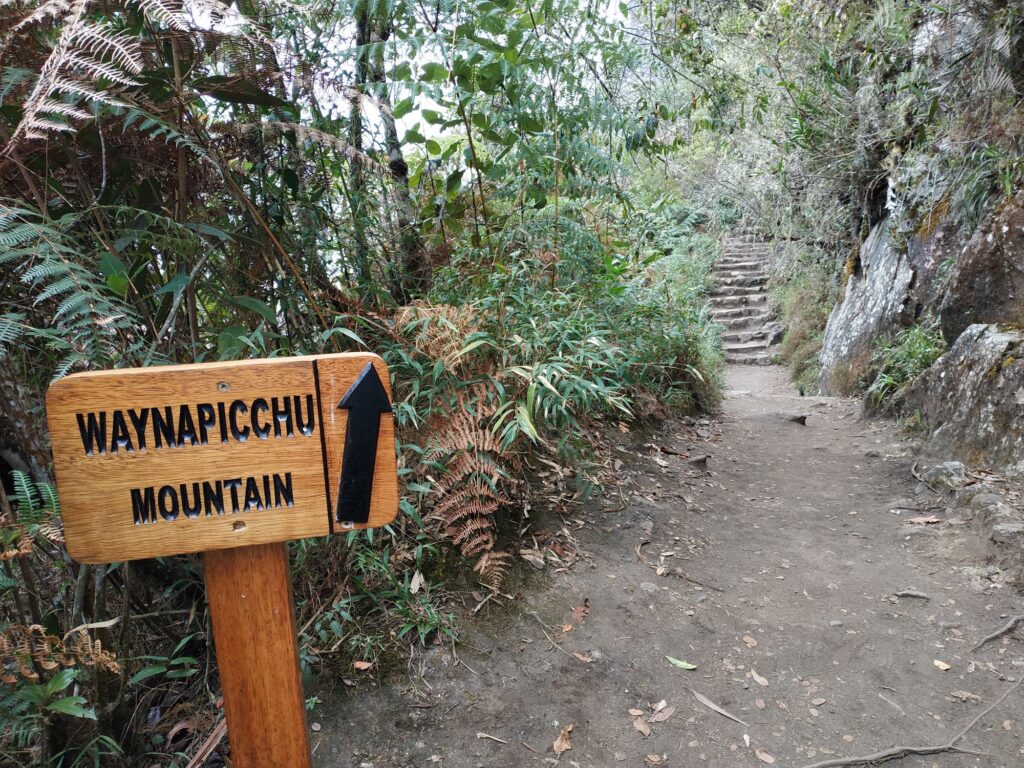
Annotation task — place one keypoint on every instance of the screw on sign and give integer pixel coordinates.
(233, 460)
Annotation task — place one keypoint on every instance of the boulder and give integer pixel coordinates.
(874, 304)
(951, 474)
(971, 401)
(987, 282)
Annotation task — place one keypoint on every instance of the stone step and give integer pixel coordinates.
(741, 347)
(739, 265)
(743, 310)
(750, 321)
(742, 313)
(731, 248)
(766, 358)
(737, 290)
(723, 274)
(749, 300)
(744, 280)
(742, 337)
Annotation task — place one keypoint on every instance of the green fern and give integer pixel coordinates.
(83, 322)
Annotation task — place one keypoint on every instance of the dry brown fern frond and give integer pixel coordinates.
(492, 567)
(439, 331)
(23, 547)
(477, 482)
(90, 652)
(26, 647)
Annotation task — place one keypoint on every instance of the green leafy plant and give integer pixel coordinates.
(899, 361)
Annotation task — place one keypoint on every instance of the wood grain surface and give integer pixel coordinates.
(249, 591)
(100, 514)
(336, 376)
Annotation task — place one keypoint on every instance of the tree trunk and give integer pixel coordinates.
(357, 179)
(412, 274)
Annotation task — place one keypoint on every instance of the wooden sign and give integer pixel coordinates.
(190, 458)
(233, 460)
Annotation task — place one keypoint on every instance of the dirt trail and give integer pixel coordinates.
(788, 556)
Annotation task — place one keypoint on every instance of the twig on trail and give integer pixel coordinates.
(1008, 627)
(543, 629)
(912, 593)
(711, 705)
(677, 572)
(891, 754)
(482, 735)
(622, 498)
(889, 701)
(460, 661)
(917, 476)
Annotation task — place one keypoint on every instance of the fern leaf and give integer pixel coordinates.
(25, 494)
(167, 13)
(101, 41)
(63, 109)
(96, 69)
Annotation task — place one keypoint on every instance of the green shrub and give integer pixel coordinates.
(900, 360)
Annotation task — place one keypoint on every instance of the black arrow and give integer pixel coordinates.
(365, 401)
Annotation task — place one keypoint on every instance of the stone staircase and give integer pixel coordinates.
(739, 301)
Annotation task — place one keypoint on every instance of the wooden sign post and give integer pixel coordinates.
(233, 460)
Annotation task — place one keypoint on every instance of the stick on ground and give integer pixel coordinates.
(895, 752)
(1008, 627)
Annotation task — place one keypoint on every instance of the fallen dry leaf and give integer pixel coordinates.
(751, 642)
(641, 726)
(763, 756)
(757, 678)
(583, 657)
(567, 628)
(941, 665)
(711, 705)
(636, 712)
(654, 759)
(924, 520)
(362, 666)
(682, 664)
(581, 610)
(564, 741)
(818, 702)
(759, 703)
(662, 715)
(965, 696)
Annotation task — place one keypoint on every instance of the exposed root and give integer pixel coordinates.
(1008, 627)
(895, 752)
(925, 483)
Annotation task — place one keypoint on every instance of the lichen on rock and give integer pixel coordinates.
(874, 303)
(971, 401)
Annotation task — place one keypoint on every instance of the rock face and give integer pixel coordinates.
(987, 285)
(874, 303)
(972, 399)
